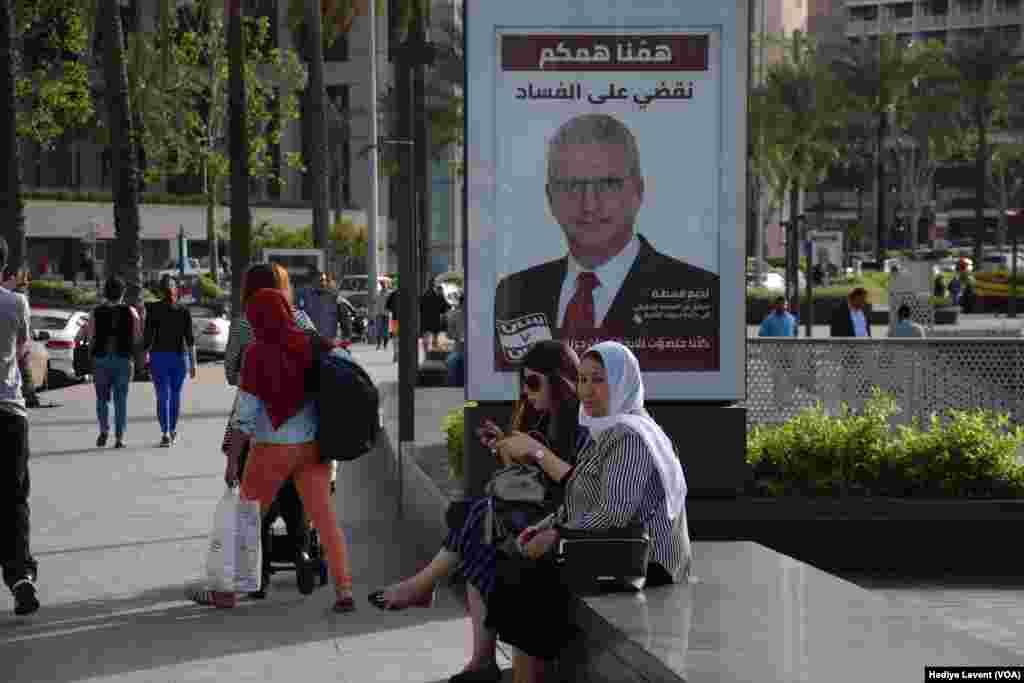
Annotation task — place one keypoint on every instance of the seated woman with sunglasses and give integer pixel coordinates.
(548, 410)
(627, 472)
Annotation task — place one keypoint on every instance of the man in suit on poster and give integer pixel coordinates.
(612, 283)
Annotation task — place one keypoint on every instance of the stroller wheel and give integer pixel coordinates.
(304, 571)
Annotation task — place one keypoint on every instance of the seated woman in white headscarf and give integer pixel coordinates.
(628, 472)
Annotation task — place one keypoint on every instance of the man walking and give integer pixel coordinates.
(780, 322)
(321, 305)
(19, 568)
(852, 318)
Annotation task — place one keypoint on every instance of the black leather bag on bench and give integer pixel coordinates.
(604, 561)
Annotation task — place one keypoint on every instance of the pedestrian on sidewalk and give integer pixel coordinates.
(780, 322)
(172, 353)
(20, 286)
(280, 422)
(114, 331)
(549, 411)
(19, 567)
(906, 327)
(287, 504)
(382, 320)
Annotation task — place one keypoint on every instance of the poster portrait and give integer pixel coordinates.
(826, 249)
(605, 189)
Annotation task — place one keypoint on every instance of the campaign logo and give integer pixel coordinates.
(517, 336)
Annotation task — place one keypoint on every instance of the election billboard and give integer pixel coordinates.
(606, 182)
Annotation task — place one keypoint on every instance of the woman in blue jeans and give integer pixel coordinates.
(172, 353)
(113, 331)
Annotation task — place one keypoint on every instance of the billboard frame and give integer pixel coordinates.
(482, 23)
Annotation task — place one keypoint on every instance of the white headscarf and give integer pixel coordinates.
(626, 406)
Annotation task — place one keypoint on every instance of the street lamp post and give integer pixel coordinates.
(1014, 222)
(410, 56)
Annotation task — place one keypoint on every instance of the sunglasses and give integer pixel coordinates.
(532, 382)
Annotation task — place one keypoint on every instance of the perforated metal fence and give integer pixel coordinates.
(786, 376)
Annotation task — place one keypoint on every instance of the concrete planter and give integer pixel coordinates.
(872, 534)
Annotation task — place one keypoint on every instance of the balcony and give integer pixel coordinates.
(862, 27)
(959, 20)
(932, 22)
(1005, 16)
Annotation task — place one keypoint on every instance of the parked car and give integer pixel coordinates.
(210, 329)
(60, 328)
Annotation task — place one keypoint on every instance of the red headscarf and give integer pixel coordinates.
(277, 358)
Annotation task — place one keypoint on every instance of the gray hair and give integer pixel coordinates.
(595, 128)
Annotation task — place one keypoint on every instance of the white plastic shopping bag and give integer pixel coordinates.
(233, 560)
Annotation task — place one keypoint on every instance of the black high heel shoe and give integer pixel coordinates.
(376, 599)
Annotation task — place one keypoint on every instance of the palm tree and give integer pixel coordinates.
(985, 65)
(13, 217)
(123, 146)
(241, 218)
(877, 75)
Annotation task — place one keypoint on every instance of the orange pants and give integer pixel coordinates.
(270, 465)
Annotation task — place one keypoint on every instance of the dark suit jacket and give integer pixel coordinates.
(668, 309)
(842, 325)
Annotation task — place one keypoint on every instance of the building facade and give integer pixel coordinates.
(81, 165)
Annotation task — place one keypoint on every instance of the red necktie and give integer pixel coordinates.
(579, 315)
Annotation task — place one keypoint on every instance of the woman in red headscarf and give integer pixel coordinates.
(278, 421)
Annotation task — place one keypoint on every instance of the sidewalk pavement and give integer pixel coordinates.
(119, 534)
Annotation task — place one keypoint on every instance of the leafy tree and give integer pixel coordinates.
(796, 124)
(45, 93)
(986, 65)
(877, 76)
(194, 139)
(926, 128)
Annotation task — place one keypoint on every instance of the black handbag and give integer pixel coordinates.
(604, 561)
(82, 361)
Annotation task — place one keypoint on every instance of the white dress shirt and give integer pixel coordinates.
(611, 275)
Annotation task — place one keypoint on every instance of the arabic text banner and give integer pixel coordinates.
(606, 150)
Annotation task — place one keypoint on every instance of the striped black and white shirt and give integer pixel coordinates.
(615, 483)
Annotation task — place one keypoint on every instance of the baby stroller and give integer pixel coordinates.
(289, 541)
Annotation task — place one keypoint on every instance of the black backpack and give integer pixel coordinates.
(348, 408)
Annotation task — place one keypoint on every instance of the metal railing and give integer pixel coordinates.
(926, 376)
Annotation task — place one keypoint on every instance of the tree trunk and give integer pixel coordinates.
(12, 220)
(123, 148)
(981, 163)
(793, 248)
(241, 219)
(210, 188)
(421, 134)
(880, 231)
(318, 122)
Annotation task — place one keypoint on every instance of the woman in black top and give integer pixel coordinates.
(172, 351)
(113, 331)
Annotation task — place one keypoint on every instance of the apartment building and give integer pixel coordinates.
(938, 19)
(78, 164)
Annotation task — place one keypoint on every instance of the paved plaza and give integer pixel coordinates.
(120, 533)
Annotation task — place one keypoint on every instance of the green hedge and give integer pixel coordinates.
(960, 454)
(58, 291)
(209, 290)
(453, 426)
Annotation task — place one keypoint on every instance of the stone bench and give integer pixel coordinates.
(750, 614)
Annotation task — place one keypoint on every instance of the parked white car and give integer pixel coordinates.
(210, 331)
(61, 328)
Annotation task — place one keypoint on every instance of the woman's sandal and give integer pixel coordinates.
(207, 597)
(344, 604)
(378, 600)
